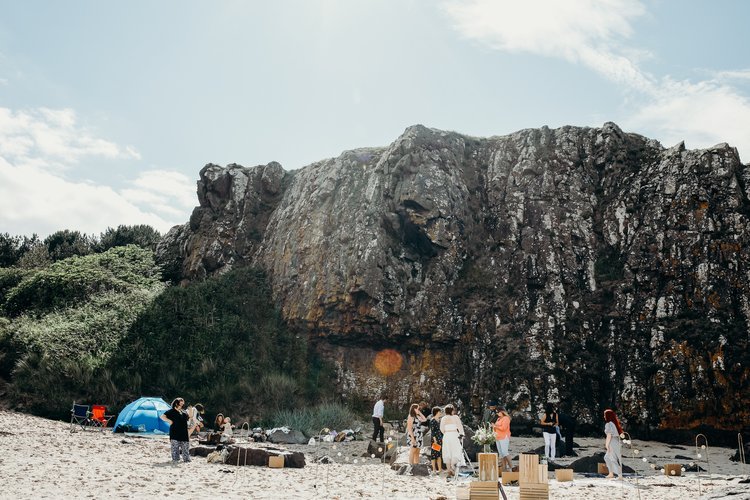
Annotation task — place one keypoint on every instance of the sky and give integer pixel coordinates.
(109, 109)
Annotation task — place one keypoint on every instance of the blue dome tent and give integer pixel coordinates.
(143, 415)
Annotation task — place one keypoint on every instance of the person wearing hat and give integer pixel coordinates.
(502, 437)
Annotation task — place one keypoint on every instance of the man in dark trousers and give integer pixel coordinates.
(568, 424)
(377, 419)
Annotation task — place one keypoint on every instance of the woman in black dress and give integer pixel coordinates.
(436, 455)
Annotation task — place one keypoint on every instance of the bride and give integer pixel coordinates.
(453, 433)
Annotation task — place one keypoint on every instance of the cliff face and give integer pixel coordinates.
(584, 265)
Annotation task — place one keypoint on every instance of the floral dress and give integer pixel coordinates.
(417, 429)
(435, 431)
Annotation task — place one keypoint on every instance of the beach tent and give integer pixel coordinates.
(143, 414)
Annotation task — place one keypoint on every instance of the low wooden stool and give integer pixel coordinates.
(673, 470)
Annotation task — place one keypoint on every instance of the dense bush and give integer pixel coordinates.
(68, 319)
(72, 280)
(221, 342)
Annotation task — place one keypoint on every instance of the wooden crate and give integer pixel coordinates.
(487, 467)
(564, 475)
(482, 490)
(509, 477)
(602, 469)
(534, 491)
(276, 462)
(531, 471)
(673, 470)
(528, 468)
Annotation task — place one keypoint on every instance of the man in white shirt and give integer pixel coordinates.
(377, 419)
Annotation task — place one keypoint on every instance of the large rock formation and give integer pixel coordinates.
(585, 265)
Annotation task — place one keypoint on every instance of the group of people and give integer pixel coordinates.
(447, 431)
(184, 422)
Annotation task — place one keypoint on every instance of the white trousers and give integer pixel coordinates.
(549, 445)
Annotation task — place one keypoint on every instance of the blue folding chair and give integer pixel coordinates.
(79, 416)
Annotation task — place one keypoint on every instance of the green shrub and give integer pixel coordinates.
(73, 280)
(68, 321)
(10, 278)
(62, 356)
(312, 420)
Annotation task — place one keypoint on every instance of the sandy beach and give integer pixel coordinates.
(43, 459)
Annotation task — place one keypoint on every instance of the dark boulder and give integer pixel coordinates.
(258, 456)
(201, 451)
(291, 437)
(736, 457)
(591, 464)
(420, 470)
(375, 448)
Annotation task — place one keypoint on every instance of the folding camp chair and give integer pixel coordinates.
(99, 418)
(79, 416)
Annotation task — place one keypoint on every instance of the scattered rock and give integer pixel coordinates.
(201, 451)
(256, 456)
(736, 456)
(291, 437)
(376, 448)
(420, 470)
(591, 464)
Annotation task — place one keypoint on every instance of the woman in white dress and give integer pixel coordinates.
(453, 433)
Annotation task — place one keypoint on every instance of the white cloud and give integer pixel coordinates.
(52, 134)
(163, 191)
(595, 34)
(703, 114)
(742, 74)
(35, 200)
(38, 151)
(589, 32)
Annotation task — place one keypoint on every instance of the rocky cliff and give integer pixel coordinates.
(585, 265)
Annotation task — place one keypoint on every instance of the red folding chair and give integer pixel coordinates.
(99, 417)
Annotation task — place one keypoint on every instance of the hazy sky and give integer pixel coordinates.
(108, 109)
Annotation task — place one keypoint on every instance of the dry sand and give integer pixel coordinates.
(43, 459)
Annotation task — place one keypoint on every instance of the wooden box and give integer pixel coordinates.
(276, 462)
(602, 469)
(534, 491)
(509, 477)
(487, 466)
(481, 490)
(673, 470)
(531, 471)
(563, 475)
